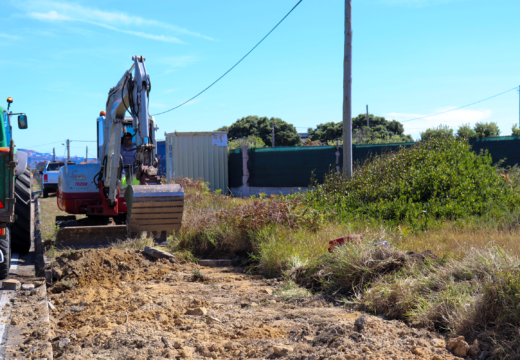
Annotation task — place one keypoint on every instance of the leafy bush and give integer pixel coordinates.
(486, 129)
(440, 178)
(466, 132)
(285, 133)
(440, 132)
(251, 141)
(515, 130)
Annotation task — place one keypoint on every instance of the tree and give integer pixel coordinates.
(326, 132)
(466, 132)
(285, 133)
(442, 131)
(515, 130)
(486, 129)
(251, 141)
(380, 131)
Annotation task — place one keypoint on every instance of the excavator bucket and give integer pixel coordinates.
(154, 208)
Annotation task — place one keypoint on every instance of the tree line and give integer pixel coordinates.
(256, 132)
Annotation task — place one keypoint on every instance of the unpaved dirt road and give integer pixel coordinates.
(119, 304)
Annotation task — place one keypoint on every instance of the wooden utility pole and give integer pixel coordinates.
(347, 93)
(53, 155)
(86, 156)
(68, 150)
(368, 119)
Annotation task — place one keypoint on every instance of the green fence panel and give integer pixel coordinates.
(293, 167)
(235, 168)
(500, 148)
(289, 167)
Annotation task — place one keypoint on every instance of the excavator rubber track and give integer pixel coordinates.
(154, 208)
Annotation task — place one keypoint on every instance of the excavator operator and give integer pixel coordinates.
(128, 154)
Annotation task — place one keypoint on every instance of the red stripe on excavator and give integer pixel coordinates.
(2, 231)
(1, 205)
(4, 149)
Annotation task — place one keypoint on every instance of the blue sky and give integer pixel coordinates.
(410, 58)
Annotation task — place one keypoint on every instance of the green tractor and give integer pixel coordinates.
(16, 214)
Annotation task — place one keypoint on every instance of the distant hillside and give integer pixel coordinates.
(37, 157)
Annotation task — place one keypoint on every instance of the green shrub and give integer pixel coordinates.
(440, 132)
(466, 132)
(515, 130)
(486, 129)
(436, 179)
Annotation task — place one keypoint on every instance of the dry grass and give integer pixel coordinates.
(453, 239)
(134, 244)
(48, 212)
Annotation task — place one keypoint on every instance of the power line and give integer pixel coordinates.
(239, 61)
(57, 142)
(461, 107)
(83, 140)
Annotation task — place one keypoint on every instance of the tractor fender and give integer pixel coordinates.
(21, 158)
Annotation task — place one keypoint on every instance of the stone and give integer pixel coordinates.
(360, 323)
(282, 350)
(51, 307)
(63, 342)
(215, 263)
(308, 338)
(253, 304)
(418, 351)
(210, 319)
(166, 343)
(27, 287)
(474, 350)
(186, 352)
(199, 311)
(230, 346)
(83, 332)
(439, 343)
(159, 254)
(11, 284)
(177, 344)
(458, 346)
(271, 301)
(267, 291)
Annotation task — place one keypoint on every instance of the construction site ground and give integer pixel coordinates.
(122, 304)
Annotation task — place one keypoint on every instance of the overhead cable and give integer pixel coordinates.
(461, 107)
(239, 61)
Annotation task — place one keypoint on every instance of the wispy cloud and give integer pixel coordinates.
(141, 34)
(453, 119)
(8, 36)
(52, 11)
(172, 63)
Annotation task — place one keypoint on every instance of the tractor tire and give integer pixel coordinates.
(45, 193)
(5, 247)
(21, 229)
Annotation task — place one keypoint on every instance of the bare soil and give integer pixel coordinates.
(119, 304)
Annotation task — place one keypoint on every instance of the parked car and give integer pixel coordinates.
(50, 177)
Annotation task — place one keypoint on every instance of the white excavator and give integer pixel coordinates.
(119, 205)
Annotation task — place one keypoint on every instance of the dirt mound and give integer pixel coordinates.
(105, 267)
(116, 304)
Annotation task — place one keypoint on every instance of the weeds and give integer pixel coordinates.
(134, 244)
